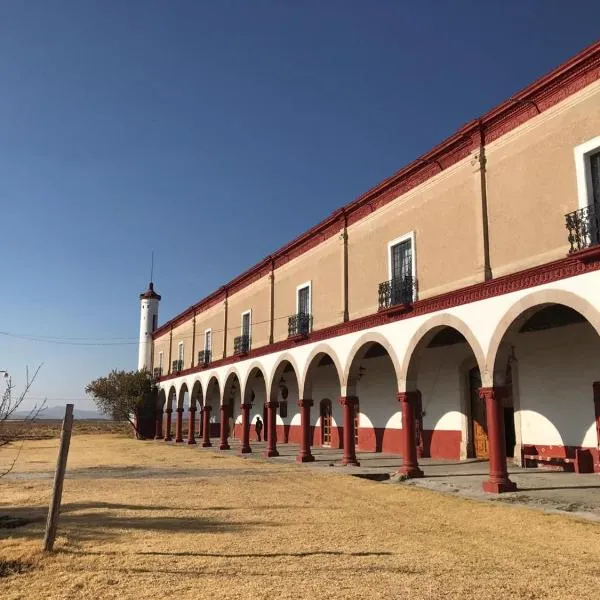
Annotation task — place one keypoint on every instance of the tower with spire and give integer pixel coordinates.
(148, 322)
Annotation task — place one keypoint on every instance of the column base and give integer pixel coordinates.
(191, 442)
(168, 439)
(158, 437)
(225, 446)
(206, 445)
(499, 487)
(305, 458)
(247, 450)
(270, 453)
(411, 472)
(350, 462)
(179, 440)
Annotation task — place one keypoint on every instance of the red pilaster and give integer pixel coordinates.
(224, 428)
(158, 433)
(245, 449)
(349, 403)
(206, 426)
(410, 464)
(272, 428)
(168, 436)
(192, 425)
(498, 481)
(179, 426)
(305, 454)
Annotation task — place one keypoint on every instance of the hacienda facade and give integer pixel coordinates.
(453, 311)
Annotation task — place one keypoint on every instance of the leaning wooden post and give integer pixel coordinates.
(59, 476)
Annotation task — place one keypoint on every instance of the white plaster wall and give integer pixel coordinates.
(556, 371)
(376, 391)
(326, 385)
(148, 308)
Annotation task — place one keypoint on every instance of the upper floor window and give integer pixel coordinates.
(180, 352)
(161, 357)
(303, 299)
(401, 285)
(587, 168)
(247, 323)
(208, 340)
(154, 322)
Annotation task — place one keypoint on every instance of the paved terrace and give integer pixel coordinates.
(551, 491)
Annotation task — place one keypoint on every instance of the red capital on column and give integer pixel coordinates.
(349, 403)
(179, 426)
(498, 481)
(224, 428)
(410, 464)
(245, 449)
(168, 437)
(158, 433)
(305, 454)
(206, 426)
(272, 425)
(192, 425)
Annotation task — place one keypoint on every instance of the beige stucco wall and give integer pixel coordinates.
(256, 297)
(183, 333)
(531, 183)
(322, 267)
(213, 318)
(444, 215)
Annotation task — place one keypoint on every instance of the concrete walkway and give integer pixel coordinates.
(551, 491)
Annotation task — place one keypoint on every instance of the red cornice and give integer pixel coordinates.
(570, 77)
(561, 269)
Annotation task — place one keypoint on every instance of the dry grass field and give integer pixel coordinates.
(147, 519)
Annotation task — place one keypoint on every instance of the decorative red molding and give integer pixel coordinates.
(554, 271)
(564, 81)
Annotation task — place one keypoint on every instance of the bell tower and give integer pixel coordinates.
(148, 323)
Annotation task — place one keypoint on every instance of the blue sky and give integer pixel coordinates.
(214, 132)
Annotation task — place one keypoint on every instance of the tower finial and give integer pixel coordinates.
(152, 268)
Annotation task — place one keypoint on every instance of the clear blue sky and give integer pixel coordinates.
(214, 132)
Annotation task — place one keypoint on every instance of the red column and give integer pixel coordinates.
(410, 464)
(179, 425)
(498, 481)
(158, 425)
(349, 403)
(224, 428)
(192, 425)
(246, 428)
(206, 426)
(168, 437)
(305, 455)
(272, 427)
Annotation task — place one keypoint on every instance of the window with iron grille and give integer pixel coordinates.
(595, 176)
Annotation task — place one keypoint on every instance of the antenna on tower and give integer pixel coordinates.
(152, 267)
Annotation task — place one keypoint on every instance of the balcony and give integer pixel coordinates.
(300, 325)
(203, 357)
(157, 372)
(397, 293)
(177, 366)
(584, 228)
(241, 345)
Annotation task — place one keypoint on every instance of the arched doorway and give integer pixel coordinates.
(326, 422)
(285, 394)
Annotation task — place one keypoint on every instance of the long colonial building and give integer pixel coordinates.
(452, 311)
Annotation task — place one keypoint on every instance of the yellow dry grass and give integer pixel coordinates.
(235, 528)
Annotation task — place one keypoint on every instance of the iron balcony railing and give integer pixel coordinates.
(203, 357)
(157, 372)
(584, 227)
(397, 291)
(241, 344)
(300, 324)
(177, 366)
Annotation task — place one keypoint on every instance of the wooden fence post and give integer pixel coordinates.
(61, 466)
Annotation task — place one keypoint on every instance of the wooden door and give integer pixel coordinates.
(326, 422)
(478, 416)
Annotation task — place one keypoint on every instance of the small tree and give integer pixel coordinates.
(125, 396)
(11, 429)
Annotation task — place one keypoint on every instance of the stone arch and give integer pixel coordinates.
(305, 383)
(254, 369)
(182, 391)
(357, 353)
(212, 386)
(161, 399)
(424, 335)
(522, 309)
(280, 365)
(196, 397)
(170, 397)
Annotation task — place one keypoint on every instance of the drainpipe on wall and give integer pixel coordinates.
(487, 269)
(225, 324)
(170, 348)
(272, 309)
(193, 339)
(344, 237)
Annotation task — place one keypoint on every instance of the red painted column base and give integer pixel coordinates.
(305, 455)
(192, 426)
(206, 425)
(168, 436)
(499, 487)
(224, 426)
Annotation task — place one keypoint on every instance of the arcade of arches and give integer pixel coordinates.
(532, 399)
